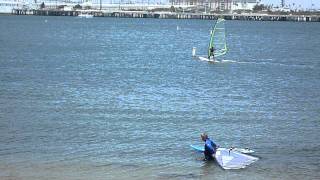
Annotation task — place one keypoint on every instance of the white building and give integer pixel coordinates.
(244, 4)
(6, 6)
(218, 5)
(231, 5)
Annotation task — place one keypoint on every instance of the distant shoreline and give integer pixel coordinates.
(169, 15)
(6, 14)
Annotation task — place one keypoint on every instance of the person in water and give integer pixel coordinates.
(211, 56)
(210, 147)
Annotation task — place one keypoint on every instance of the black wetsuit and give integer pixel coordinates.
(211, 52)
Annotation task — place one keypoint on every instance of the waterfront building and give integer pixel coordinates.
(244, 4)
(218, 5)
(6, 6)
(282, 3)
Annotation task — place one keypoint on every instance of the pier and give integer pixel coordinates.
(168, 15)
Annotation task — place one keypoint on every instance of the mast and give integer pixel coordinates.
(211, 39)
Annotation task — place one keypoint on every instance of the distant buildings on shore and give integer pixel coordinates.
(6, 6)
(219, 5)
(282, 3)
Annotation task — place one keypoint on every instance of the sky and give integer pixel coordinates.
(304, 3)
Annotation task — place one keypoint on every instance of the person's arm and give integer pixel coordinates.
(215, 146)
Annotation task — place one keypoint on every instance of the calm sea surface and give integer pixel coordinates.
(108, 98)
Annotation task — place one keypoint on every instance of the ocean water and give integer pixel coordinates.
(108, 98)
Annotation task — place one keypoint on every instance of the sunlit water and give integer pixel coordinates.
(108, 98)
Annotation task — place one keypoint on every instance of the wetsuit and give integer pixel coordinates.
(211, 52)
(210, 149)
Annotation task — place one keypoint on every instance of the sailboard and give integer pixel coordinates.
(218, 39)
(230, 159)
(241, 150)
(217, 44)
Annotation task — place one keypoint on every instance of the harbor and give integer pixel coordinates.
(159, 89)
(249, 10)
(123, 98)
(168, 15)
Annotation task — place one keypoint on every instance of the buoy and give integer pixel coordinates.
(194, 49)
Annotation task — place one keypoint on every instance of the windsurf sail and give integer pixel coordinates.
(230, 159)
(233, 160)
(218, 39)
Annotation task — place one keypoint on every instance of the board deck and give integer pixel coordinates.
(206, 59)
(197, 148)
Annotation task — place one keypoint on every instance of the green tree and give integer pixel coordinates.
(42, 5)
(77, 6)
(172, 9)
(258, 7)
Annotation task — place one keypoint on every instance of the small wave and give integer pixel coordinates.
(202, 58)
(294, 65)
(228, 61)
(176, 175)
(279, 64)
(269, 63)
(258, 63)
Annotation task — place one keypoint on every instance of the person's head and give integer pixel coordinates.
(204, 136)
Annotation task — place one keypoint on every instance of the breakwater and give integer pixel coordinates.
(169, 15)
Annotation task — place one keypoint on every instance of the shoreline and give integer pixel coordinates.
(168, 15)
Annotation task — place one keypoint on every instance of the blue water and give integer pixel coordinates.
(108, 98)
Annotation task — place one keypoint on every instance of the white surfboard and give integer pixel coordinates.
(208, 60)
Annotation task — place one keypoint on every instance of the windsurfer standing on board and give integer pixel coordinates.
(211, 55)
(210, 147)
